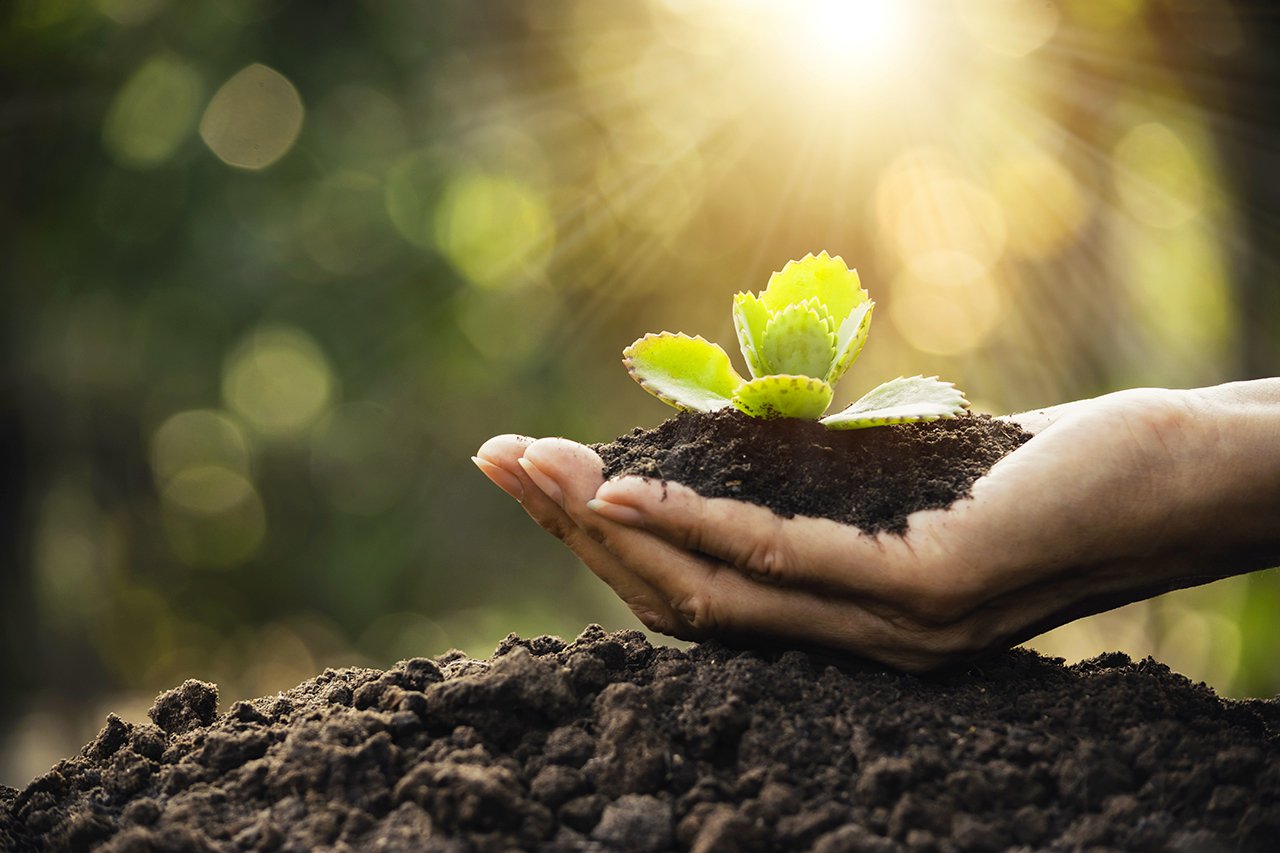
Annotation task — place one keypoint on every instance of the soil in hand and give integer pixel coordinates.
(870, 478)
(608, 743)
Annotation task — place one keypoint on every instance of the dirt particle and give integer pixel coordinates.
(883, 780)
(853, 837)
(583, 813)
(635, 822)
(631, 753)
(723, 828)
(569, 745)
(555, 785)
(193, 704)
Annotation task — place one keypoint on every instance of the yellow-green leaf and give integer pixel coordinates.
(823, 276)
(850, 338)
(783, 396)
(901, 401)
(689, 373)
(749, 319)
(799, 340)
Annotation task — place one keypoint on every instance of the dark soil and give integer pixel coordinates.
(608, 743)
(870, 478)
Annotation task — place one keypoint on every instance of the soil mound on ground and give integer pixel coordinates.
(870, 478)
(608, 743)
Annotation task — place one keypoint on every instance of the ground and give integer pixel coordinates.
(608, 742)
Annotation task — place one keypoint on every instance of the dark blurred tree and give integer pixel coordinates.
(1239, 90)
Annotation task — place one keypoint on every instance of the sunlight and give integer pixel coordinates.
(843, 35)
(825, 45)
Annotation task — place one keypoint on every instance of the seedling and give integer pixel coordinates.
(798, 336)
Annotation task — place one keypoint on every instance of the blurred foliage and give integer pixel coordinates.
(274, 269)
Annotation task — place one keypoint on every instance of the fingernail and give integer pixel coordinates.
(501, 478)
(627, 515)
(543, 481)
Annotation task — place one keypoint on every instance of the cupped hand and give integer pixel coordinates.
(1105, 505)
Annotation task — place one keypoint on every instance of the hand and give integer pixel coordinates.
(1113, 500)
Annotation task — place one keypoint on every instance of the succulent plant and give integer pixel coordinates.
(798, 336)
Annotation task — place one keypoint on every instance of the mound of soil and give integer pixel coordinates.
(870, 478)
(608, 743)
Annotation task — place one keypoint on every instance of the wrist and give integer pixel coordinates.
(1233, 476)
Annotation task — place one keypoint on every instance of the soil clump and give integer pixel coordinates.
(609, 743)
(870, 478)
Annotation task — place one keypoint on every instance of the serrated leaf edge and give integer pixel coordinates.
(629, 363)
(752, 349)
(863, 423)
(815, 309)
(824, 259)
(847, 354)
(810, 383)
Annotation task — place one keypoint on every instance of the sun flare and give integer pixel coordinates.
(848, 48)
(845, 35)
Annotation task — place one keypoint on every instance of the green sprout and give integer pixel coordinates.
(798, 336)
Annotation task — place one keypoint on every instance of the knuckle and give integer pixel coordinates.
(575, 538)
(653, 619)
(767, 555)
(557, 525)
(695, 534)
(700, 608)
(596, 533)
(698, 612)
(684, 631)
(653, 616)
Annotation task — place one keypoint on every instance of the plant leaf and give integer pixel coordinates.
(749, 319)
(850, 338)
(823, 276)
(689, 373)
(901, 401)
(783, 396)
(798, 340)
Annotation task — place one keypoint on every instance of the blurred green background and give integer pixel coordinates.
(273, 270)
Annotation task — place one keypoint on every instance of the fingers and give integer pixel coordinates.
(679, 592)
(713, 599)
(704, 597)
(570, 473)
(716, 600)
(502, 460)
(817, 553)
(498, 459)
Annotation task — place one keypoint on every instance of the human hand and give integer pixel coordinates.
(1114, 499)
